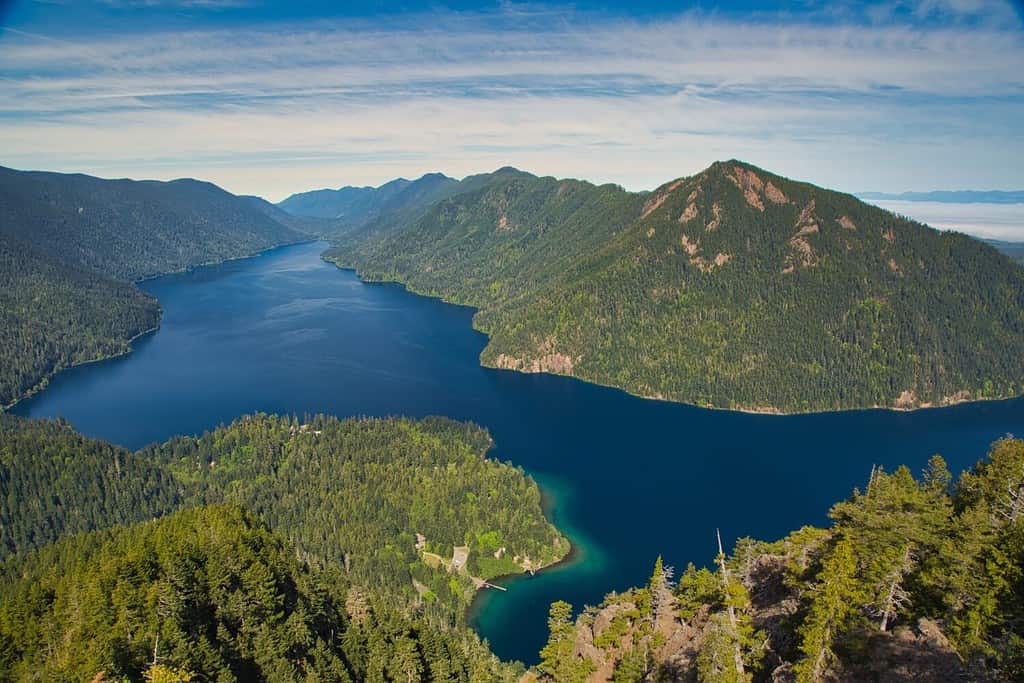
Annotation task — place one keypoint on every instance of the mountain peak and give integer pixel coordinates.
(435, 175)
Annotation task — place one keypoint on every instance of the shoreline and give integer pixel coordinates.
(549, 498)
(749, 410)
(44, 382)
(207, 264)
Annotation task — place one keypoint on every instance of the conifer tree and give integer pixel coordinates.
(557, 658)
(831, 604)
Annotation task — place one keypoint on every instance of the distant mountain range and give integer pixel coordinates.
(1014, 250)
(952, 196)
(353, 207)
(732, 288)
(70, 246)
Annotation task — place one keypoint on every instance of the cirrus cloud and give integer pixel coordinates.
(855, 101)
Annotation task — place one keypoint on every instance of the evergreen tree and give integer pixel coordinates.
(831, 604)
(558, 660)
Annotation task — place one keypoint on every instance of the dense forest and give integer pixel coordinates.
(55, 482)
(209, 594)
(357, 493)
(916, 579)
(133, 229)
(54, 315)
(373, 509)
(278, 549)
(733, 288)
(70, 245)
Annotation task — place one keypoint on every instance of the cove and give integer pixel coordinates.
(626, 478)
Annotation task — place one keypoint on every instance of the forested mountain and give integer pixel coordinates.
(354, 207)
(69, 244)
(374, 512)
(387, 500)
(910, 582)
(55, 482)
(133, 229)
(733, 288)
(209, 594)
(307, 225)
(358, 492)
(54, 315)
(306, 571)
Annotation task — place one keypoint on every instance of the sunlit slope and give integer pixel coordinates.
(733, 288)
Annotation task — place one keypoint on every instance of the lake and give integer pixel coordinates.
(626, 478)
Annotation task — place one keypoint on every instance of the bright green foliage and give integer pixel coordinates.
(350, 494)
(218, 597)
(997, 483)
(54, 482)
(893, 524)
(902, 554)
(833, 599)
(161, 673)
(697, 588)
(223, 596)
(367, 487)
(228, 599)
(716, 660)
(557, 660)
(977, 584)
(633, 666)
(731, 288)
(904, 549)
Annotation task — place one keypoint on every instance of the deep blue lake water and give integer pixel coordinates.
(627, 478)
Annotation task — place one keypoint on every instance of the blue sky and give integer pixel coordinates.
(273, 98)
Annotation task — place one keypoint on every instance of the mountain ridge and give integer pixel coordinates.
(951, 196)
(352, 207)
(71, 244)
(679, 293)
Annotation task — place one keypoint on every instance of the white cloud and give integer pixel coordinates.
(284, 108)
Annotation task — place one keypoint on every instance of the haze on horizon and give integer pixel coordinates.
(267, 99)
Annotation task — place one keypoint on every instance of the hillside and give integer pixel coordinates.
(733, 288)
(909, 583)
(351, 208)
(54, 315)
(241, 578)
(380, 497)
(209, 594)
(57, 483)
(133, 229)
(310, 226)
(70, 244)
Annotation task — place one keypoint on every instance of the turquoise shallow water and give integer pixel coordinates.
(627, 478)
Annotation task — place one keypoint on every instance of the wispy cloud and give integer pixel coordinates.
(907, 96)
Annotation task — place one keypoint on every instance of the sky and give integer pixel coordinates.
(272, 98)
